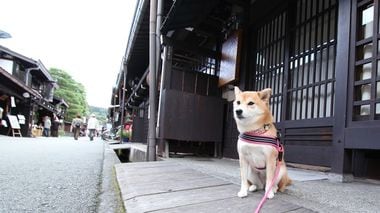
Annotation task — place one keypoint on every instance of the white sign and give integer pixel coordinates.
(14, 122)
(21, 119)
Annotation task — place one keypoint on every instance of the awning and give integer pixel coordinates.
(12, 80)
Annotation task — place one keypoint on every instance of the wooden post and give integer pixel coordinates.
(152, 82)
(342, 62)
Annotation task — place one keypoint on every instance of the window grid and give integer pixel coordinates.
(365, 77)
(186, 61)
(270, 72)
(311, 63)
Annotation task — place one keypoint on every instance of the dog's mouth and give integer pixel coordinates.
(240, 117)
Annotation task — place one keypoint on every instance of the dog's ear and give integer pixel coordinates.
(265, 94)
(237, 91)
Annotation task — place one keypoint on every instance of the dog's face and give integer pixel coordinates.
(249, 107)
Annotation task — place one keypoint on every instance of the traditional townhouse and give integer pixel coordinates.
(320, 57)
(26, 92)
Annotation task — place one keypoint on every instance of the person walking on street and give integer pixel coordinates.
(92, 126)
(54, 126)
(75, 126)
(47, 125)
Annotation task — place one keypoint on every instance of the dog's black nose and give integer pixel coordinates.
(239, 112)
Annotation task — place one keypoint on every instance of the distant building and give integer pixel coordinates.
(26, 90)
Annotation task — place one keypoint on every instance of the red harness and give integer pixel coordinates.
(254, 138)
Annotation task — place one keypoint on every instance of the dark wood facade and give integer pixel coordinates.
(320, 57)
(31, 86)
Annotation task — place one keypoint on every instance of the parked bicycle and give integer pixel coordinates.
(112, 134)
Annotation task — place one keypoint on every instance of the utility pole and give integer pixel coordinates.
(152, 82)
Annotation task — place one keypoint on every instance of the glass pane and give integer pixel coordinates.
(310, 102)
(361, 111)
(329, 100)
(324, 63)
(332, 25)
(279, 108)
(364, 110)
(304, 101)
(378, 108)
(316, 98)
(322, 101)
(378, 89)
(364, 52)
(365, 22)
(325, 28)
(331, 68)
(300, 74)
(363, 72)
(293, 103)
(363, 92)
(311, 68)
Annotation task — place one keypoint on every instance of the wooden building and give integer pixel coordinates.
(320, 57)
(26, 90)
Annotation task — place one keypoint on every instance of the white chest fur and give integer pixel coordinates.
(254, 154)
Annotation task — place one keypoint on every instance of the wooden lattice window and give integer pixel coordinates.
(312, 61)
(365, 75)
(270, 60)
(299, 45)
(191, 62)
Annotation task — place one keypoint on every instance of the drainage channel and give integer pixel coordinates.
(123, 155)
(127, 152)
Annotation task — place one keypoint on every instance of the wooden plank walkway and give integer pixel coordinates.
(164, 186)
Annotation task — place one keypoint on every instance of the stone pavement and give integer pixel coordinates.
(192, 184)
(50, 174)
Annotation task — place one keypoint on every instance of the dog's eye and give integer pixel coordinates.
(251, 103)
(238, 102)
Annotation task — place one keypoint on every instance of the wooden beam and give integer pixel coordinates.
(198, 50)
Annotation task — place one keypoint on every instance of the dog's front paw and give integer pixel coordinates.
(252, 188)
(270, 195)
(242, 194)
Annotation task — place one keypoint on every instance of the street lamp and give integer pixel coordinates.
(4, 34)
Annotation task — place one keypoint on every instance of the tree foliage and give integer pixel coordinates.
(72, 92)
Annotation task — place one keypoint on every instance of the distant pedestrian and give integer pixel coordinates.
(75, 126)
(54, 126)
(47, 125)
(92, 126)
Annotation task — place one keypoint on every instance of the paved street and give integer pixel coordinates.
(54, 175)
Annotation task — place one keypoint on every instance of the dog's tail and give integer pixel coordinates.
(285, 181)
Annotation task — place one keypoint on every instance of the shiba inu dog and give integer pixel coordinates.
(257, 160)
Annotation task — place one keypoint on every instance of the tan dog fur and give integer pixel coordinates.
(254, 114)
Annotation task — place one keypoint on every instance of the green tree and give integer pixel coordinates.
(72, 92)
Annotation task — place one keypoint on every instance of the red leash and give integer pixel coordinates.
(270, 188)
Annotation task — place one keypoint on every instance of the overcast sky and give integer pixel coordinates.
(86, 38)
